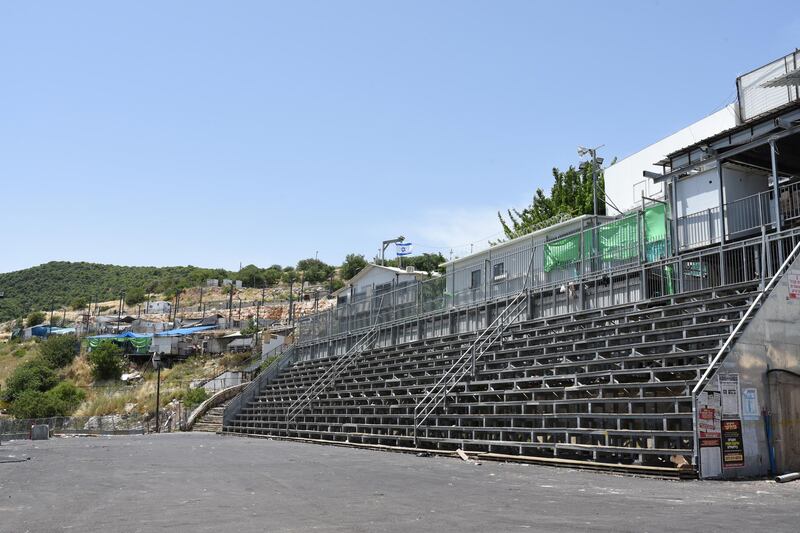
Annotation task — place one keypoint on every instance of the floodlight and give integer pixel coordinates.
(582, 151)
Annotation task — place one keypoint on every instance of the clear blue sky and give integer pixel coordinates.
(173, 133)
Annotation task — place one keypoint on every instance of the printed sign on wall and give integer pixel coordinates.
(732, 445)
(794, 285)
(729, 387)
(750, 410)
(709, 419)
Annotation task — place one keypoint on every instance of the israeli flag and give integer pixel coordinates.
(402, 248)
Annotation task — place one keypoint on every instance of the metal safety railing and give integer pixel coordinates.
(467, 361)
(726, 346)
(285, 359)
(332, 372)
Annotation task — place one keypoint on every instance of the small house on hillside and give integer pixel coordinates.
(158, 307)
(376, 280)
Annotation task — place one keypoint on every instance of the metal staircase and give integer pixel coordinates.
(333, 371)
(466, 362)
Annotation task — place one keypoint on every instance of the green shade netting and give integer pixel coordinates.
(655, 231)
(141, 344)
(616, 241)
(562, 252)
(655, 223)
(668, 275)
(619, 240)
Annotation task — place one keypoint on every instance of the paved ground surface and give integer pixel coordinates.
(202, 482)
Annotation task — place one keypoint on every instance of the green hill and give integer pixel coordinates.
(60, 283)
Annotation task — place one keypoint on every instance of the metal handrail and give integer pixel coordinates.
(711, 366)
(333, 371)
(460, 367)
(249, 392)
(746, 316)
(435, 396)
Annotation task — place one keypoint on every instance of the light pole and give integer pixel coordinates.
(157, 365)
(582, 151)
(385, 244)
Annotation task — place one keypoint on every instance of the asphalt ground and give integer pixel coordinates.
(204, 482)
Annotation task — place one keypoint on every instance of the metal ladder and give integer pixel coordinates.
(333, 371)
(466, 362)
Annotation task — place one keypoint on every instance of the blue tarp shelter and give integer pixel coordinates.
(183, 331)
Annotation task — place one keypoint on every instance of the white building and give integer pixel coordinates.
(158, 307)
(625, 180)
(377, 279)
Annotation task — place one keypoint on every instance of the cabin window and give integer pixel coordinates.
(475, 279)
(499, 271)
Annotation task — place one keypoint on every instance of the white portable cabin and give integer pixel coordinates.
(501, 269)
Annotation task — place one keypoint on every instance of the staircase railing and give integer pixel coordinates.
(288, 357)
(335, 370)
(729, 341)
(467, 361)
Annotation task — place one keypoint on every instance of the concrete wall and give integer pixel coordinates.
(624, 179)
(770, 341)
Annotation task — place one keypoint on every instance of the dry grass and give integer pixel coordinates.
(140, 398)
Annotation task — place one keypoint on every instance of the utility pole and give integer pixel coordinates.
(119, 310)
(258, 317)
(291, 303)
(230, 305)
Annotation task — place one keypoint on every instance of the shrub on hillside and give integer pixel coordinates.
(195, 397)
(35, 375)
(67, 396)
(79, 303)
(59, 350)
(61, 400)
(134, 295)
(34, 319)
(106, 361)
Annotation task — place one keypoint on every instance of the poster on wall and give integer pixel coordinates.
(794, 285)
(750, 410)
(709, 419)
(729, 387)
(732, 444)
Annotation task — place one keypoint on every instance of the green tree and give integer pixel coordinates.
(314, 270)
(251, 276)
(289, 275)
(34, 319)
(79, 303)
(59, 350)
(135, 296)
(353, 263)
(424, 263)
(106, 361)
(571, 195)
(272, 275)
(33, 375)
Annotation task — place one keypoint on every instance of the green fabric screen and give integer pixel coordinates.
(655, 223)
(619, 240)
(562, 252)
(616, 241)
